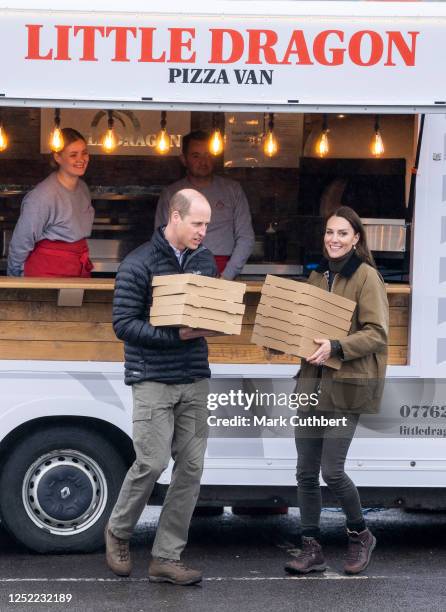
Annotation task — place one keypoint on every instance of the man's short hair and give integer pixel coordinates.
(181, 203)
(199, 135)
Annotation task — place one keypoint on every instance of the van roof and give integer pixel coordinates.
(353, 8)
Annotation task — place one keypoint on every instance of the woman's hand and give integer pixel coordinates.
(320, 356)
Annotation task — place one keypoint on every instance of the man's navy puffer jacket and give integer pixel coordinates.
(157, 353)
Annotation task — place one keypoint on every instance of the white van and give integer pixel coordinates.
(65, 426)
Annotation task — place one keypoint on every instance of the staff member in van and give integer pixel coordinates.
(55, 219)
(230, 236)
(349, 271)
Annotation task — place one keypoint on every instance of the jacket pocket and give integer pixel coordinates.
(353, 394)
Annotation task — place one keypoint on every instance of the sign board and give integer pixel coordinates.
(136, 131)
(299, 59)
(244, 136)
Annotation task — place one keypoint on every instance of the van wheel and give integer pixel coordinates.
(58, 487)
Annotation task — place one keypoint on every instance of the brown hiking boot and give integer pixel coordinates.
(172, 570)
(360, 547)
(310, 558)
(117, 554)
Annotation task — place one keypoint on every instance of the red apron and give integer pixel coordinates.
(221, 261)
(59, 258)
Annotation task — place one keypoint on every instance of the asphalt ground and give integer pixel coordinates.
(242, 558)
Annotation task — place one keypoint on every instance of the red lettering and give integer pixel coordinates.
(337, 55)
(376, 50)
(177, 43)
(120, 42)
(63, 33)
(34, 44)
(407, 53)
(89, 41)
(147, 47)
(297, 46)
(255, 46)
(237, 46)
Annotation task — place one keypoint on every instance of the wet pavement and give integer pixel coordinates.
(242, 558)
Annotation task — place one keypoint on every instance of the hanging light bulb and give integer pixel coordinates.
(377, 145)
(56, 138)
(109, 143)
(270, 144)
(322, 145)
(3, 138)
(216, 144)
(162, 144)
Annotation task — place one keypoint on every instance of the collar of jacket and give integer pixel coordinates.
(347, 271)
(159, 240)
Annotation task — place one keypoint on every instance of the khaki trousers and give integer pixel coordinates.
(168, 420)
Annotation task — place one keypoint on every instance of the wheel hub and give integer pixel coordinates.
(64, 492)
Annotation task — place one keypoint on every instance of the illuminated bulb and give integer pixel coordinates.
(56, 140)
(377, 146)
(322, 146)
(109, 141)
(162, 142)
(216, 143)
(3, 139)
(270, 146)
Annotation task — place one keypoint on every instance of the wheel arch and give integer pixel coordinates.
(119, 439)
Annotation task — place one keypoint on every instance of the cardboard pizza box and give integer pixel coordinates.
(200, 302)
(193, 311)
(286, 320)
(196, 322)
(291, 330)
(306, 288)
(199, 292)
(302, 349)
(307, 300)
(307, 311)
(198, 280)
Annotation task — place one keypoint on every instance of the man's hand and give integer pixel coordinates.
(191, 333)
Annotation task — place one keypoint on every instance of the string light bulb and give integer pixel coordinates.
(109, 142)
(162, 144)
(216, 144)
(56, 138)
(3, 138)
(323, 145)
(377, 144)
(270, 144)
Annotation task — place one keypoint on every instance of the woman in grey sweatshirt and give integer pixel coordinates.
(55, 218)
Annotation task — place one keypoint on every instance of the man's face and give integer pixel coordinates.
(190, 231)
(198, 161)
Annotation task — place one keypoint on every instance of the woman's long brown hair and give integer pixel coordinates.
(362, 249)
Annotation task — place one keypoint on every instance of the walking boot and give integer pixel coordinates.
(172, 570)
(360, 547)
(117, 554)
(310, 558)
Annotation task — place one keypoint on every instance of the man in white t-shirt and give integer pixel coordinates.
(230, 236)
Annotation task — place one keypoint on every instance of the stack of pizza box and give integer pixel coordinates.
(193, 300)
(291, 314)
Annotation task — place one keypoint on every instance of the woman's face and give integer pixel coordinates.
(339, 237)
(73, 159)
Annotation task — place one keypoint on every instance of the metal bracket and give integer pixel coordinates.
(70, 297)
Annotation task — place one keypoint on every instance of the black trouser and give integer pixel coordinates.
(324, 449)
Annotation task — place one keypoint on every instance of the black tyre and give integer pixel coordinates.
(58, 487)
